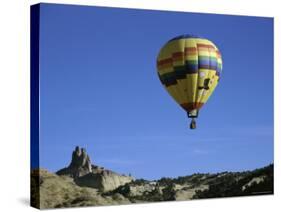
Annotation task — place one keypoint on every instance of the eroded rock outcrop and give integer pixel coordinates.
(88, 175)
(80, 164)
(105, 180)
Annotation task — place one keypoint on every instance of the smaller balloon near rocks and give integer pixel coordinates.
(189, 67)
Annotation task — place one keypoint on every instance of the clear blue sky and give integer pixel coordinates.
(99, 90)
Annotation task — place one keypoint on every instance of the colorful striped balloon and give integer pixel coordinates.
(189, 67)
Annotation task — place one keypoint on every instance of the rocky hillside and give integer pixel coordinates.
(53, 191)
(85, 184)
(199, 186)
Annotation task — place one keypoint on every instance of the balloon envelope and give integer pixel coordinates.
(189, 67)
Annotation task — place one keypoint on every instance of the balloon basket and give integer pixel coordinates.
(192, 124)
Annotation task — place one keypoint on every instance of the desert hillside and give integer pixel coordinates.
(85, 184)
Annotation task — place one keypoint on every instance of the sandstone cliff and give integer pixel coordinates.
(88, 175)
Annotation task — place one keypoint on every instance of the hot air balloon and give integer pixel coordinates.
(189, 67)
